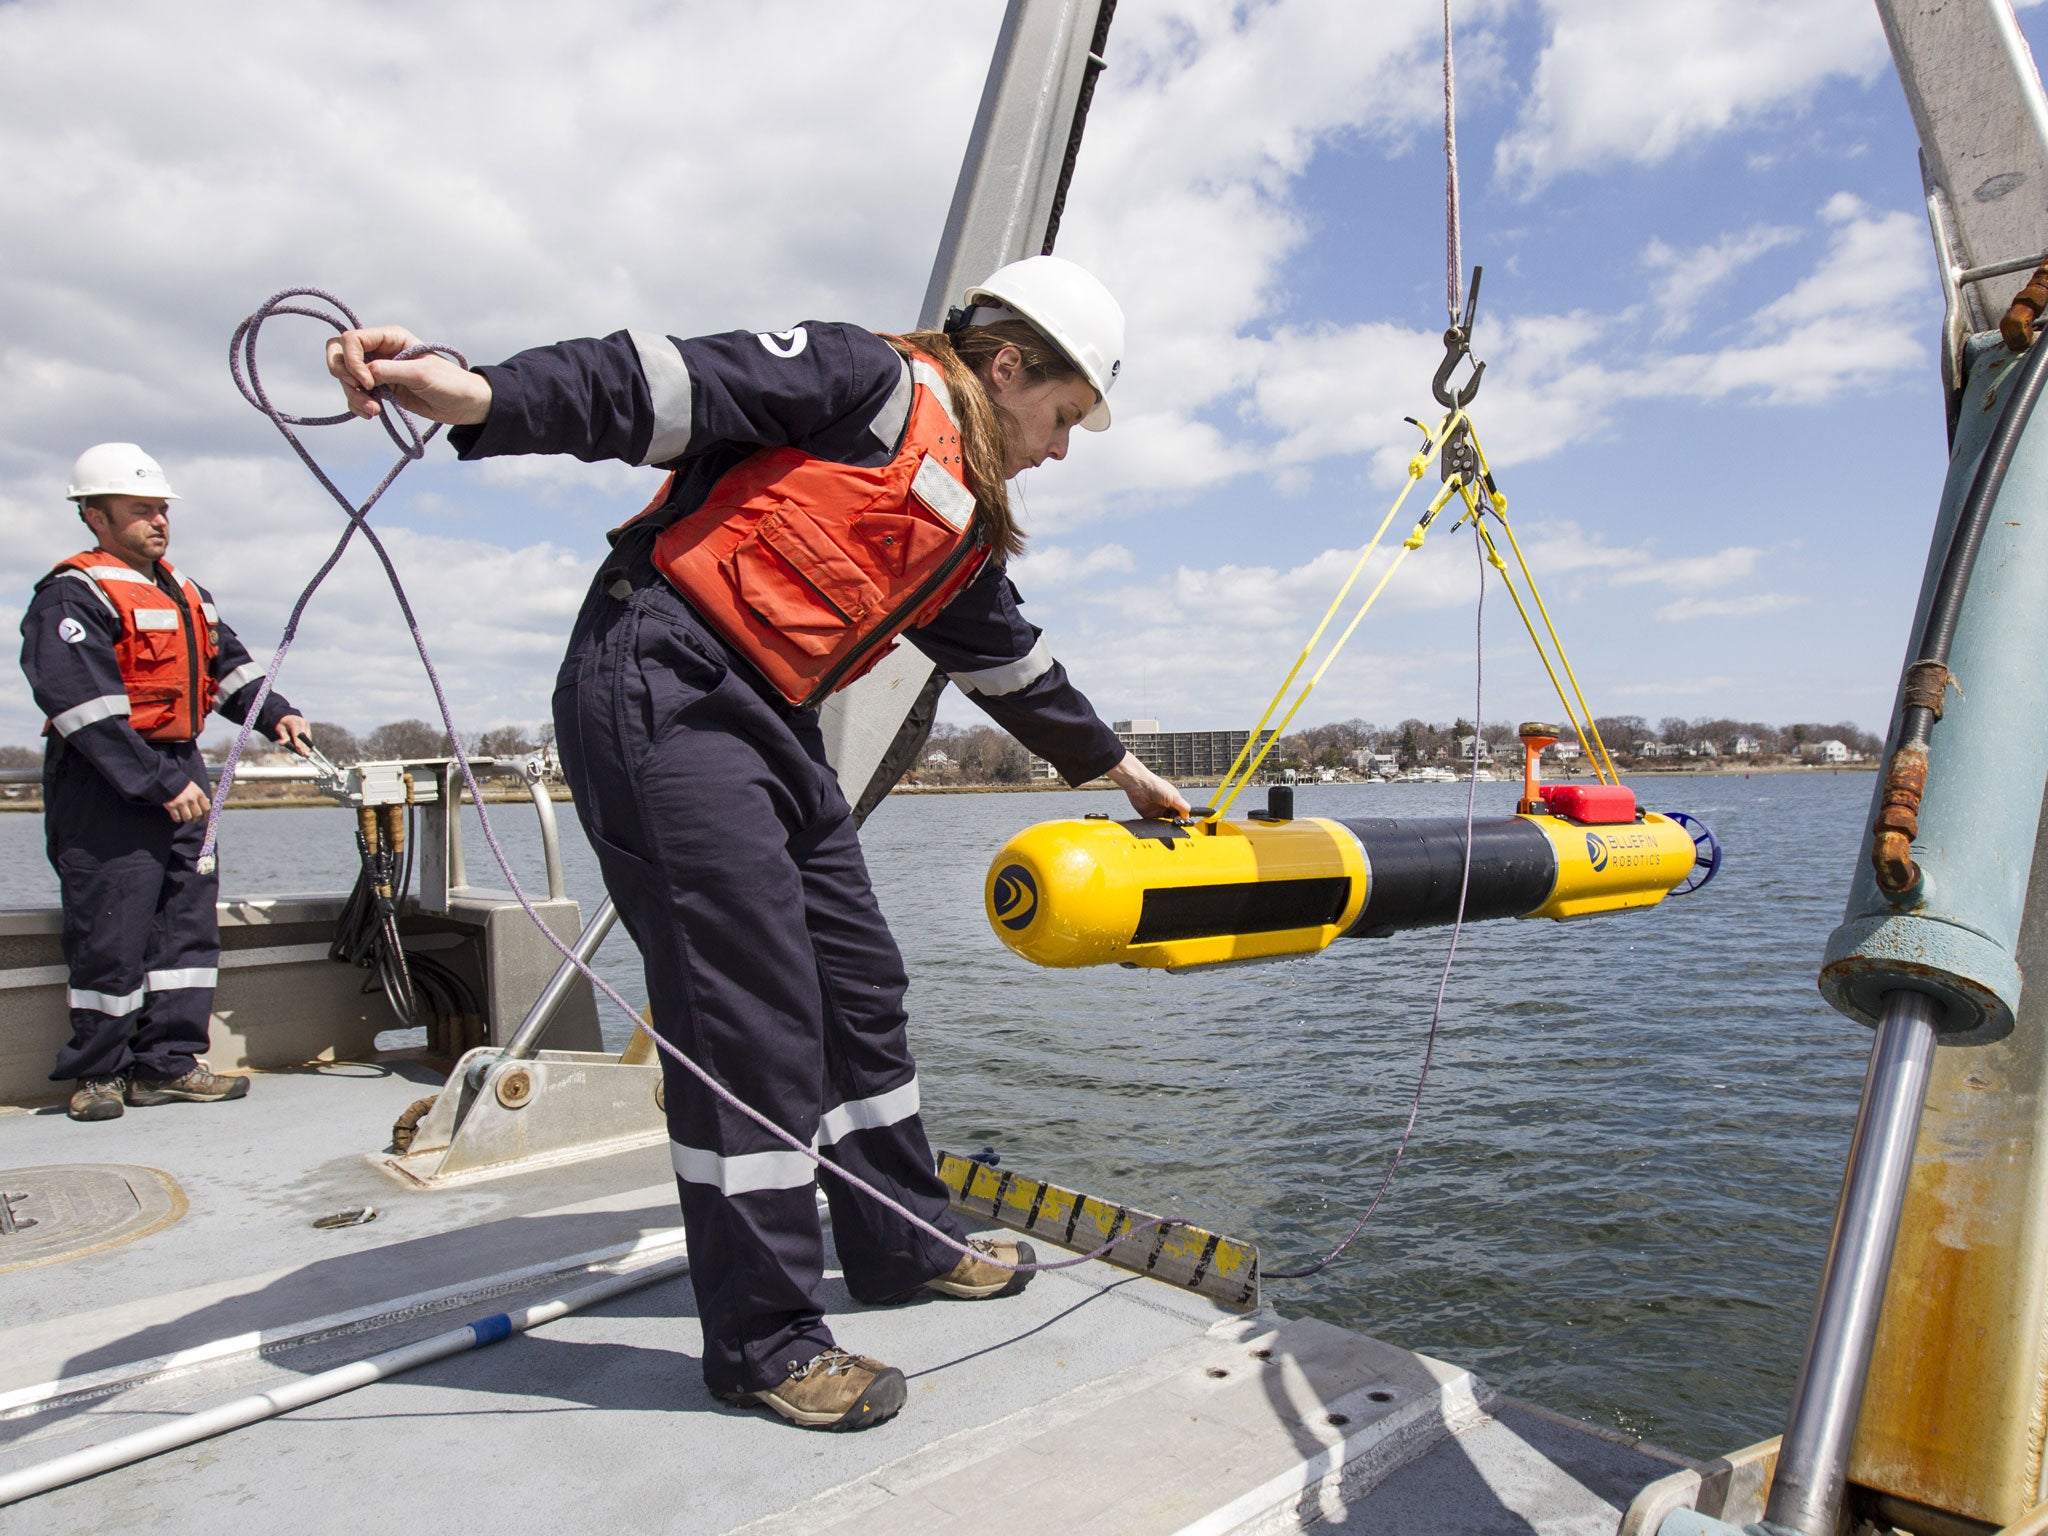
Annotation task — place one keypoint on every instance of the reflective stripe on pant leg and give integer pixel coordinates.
(182, 961)
(109, 854)
(671, 763)
(874, 1130)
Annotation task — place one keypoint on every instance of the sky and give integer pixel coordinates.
(1709, 317)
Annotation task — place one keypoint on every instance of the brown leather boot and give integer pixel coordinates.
(834, 1390)
(96, 1098)
(199, 1085)
(974, 1279)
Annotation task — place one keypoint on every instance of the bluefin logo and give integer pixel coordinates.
(1016, 897)
(1596, 851)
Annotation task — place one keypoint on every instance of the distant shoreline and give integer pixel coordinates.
(1729, 771)
(562, 796)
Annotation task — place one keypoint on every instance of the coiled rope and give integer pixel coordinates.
(412, 445)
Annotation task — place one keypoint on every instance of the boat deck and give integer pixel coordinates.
(1096, 1401)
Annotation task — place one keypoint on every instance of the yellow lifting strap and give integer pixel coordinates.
(1476, 511)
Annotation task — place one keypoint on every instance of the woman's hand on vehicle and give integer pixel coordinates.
(429, 386)
(1150, 795)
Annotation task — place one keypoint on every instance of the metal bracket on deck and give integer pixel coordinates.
(1221, 1268)
(507, 1110)
(500, 1114)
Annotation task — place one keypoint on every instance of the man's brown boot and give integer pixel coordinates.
(96, 1098)
(834, 1391)
(974, 1279)
(196, 1086)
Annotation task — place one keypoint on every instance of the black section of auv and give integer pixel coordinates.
(1417, 865)
(1251, 906)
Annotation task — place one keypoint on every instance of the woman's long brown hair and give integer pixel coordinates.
(983, 423)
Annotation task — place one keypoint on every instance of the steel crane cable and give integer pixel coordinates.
(411, 446)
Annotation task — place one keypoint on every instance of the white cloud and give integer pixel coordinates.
(1687, 278)
(1729, 607)
(1695, 571)
(1640, 83)
(1675, 688)
(1853, 323)
(1856, 319)
(430, 164)
(1046, 566)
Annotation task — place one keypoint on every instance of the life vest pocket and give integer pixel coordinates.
(792, 578)
(154, 652)
(903, 542)
(152, 711)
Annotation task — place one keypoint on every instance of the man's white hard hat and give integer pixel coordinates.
(118, 469)
(1069, 307)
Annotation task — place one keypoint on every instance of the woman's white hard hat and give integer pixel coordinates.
(118, 469)
(1069, 307)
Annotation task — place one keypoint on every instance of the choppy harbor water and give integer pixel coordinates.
(1620, 1189)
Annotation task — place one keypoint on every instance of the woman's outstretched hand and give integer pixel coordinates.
(1150, 795)
(429, 386)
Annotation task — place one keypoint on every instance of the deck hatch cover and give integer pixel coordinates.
(66, 1211)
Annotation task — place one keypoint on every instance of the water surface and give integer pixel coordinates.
(1620, 1188)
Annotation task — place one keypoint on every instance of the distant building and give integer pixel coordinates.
(1039, 768)
(1748, 746)
(1705, 749)
(937, 759)
(1565, 750)
(1178, 755)
(1465, 750)
(1832, 751)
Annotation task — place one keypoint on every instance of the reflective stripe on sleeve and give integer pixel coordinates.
(744, 1174)
(247, 673)
(1011, 675)
(172, 981)
(894, 415)
(156, 618)
(668, 385)
(92, 586)
(105, 707)
(869, 1114)
(107, 1003)
(935, 381)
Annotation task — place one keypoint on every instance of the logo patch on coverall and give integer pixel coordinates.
(70, 631)
(786, 343)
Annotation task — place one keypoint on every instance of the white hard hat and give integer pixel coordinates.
(1069, 306)
(118, 469)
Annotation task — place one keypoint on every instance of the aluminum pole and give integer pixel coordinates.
(1813, 1461)
(526, 1038)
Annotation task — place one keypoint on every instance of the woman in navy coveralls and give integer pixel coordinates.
(722, 832)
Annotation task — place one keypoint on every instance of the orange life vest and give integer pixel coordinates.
(166, 647)
(811, 569)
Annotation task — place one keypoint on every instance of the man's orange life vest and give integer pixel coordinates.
(811, 569)
(166, 647)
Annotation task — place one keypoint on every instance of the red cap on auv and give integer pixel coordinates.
(1591, 805)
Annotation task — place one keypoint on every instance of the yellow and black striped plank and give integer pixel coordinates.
(1219, 1267)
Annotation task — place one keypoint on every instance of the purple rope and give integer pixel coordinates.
(1457, 929)
(411, 446)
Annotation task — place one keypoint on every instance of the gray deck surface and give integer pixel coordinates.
(1096, 1400)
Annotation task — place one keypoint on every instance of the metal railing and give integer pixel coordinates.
(525, 769)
